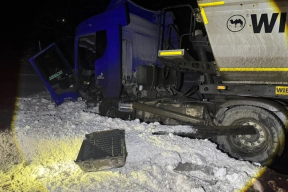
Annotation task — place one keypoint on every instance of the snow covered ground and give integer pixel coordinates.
(49, 139)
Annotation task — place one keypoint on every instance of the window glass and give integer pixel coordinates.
(90, 49)
(101, 39)
(52, 65)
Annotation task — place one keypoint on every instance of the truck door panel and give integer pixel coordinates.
(57, 75)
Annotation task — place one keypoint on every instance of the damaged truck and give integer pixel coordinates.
(219, 66)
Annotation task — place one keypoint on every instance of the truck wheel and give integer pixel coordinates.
(107, 108)
(262, 147)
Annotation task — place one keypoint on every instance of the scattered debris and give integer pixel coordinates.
(102, 150)
(50, 140)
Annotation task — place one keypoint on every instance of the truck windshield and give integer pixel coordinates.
(52, 65)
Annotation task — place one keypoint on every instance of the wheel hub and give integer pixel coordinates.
(250, 141)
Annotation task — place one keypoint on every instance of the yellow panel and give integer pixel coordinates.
(205, 20)
(281, 90)
(221, 87)
(253, 69)
(170, 53)
(212, 4)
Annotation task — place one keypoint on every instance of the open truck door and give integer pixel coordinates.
(56, 73)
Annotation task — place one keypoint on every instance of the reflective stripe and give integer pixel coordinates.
(253, 69)
(170, 53)
(204, 17)
(212, 4)
(221, 87)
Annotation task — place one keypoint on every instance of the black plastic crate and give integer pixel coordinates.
(102, 150)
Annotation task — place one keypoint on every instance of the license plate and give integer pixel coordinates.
(281, 90)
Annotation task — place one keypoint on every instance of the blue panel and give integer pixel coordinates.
(104, 21)
(143, 36)
(58, 98)
(144, 13)
(108, 68)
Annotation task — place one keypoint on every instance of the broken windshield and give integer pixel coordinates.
(90, 49)
(52, 65)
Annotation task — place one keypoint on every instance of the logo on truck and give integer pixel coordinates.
(101, 76)
(55, 75)
(236, 23)
(281, 90)
(268, 25)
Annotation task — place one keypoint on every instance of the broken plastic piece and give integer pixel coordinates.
(102, 150)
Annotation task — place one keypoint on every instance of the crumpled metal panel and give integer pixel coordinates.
(102, 150)
(236, 44)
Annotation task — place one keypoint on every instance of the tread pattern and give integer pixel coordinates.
(259, 114)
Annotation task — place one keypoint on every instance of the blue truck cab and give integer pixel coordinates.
(108, 49)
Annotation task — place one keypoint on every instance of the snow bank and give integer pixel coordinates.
(50, 138)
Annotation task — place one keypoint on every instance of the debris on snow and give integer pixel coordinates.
(50, 138)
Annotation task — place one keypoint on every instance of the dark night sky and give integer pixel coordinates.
(24, 17)
(42, 20)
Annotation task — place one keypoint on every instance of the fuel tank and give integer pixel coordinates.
(248, 38)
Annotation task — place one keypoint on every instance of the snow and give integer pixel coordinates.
(49, 138)
(8, 151)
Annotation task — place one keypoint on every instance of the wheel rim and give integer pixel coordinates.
(250, 143)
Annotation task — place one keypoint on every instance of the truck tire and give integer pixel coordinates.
(262, 147)
(107, 108)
